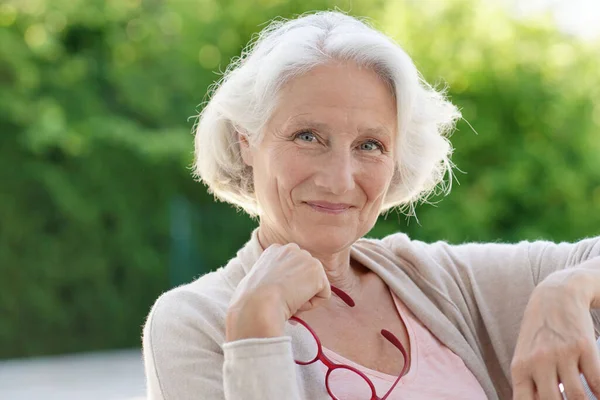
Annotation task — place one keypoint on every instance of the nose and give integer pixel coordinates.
(336, 173)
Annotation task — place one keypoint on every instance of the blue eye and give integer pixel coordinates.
(306, 136)
(371, 145)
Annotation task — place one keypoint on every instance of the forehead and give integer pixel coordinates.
(337, 93)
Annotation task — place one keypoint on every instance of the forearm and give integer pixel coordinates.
(259, 363)
(260, 369)
(247, 324)
(590, 280)
(584, 280)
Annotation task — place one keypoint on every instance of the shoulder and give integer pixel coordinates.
(451, 262)
(445, 252)
(184, 334)
(200, 307)
(211, 289)
(400, 242)
(192, 310)
(401, 246)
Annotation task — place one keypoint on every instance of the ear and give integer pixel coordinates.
(245, 148)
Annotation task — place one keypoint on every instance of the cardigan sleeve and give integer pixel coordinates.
(489, 273)
(185, 358)
(548, 257)
(484, 288)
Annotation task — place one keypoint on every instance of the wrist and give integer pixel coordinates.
(586, 282)
(577, 282)
(253, 318)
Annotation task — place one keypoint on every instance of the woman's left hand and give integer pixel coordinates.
(556, 343)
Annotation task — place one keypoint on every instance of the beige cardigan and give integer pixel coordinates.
(472, 297)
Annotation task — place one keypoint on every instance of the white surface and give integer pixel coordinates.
(577, 17)
(114, 375)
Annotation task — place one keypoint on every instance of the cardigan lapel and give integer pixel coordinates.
(389, 268)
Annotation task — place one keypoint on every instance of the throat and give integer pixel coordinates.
(354, 281)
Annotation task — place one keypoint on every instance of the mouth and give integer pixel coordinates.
(328, 208)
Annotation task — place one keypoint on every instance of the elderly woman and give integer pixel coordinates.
(320, 127)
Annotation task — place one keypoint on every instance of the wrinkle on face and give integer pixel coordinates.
(348, 111)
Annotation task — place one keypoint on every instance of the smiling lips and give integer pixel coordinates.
(328, 208)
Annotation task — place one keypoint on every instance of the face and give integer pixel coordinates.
(326, 160)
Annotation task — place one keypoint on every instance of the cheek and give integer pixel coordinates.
(376, 181)
(281, 172)
(291, 169)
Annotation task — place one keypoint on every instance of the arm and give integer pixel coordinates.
(185, 358)
(547, 257)
(586, 277)
(557, 342)
(481, 273)
(584, 283)
(578, 261)
(489, 286)
(180, 358)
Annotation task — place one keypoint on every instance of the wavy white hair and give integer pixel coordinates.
(243, 100)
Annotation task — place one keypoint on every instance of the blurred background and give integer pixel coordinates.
(99, 213)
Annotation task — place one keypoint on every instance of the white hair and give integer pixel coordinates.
(243, 100)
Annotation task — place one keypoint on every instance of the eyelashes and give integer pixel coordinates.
(309, 136)
(377, 143)
(305, 133)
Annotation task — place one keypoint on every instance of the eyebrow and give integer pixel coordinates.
(324, 127)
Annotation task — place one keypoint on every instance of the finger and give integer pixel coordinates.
(589, 364)
(325, 293)
(568, 374)
(317, 300)
(273, 247)
(546, 383)
(309, 305)
(524, 390)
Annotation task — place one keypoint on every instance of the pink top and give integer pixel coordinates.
(435, 372)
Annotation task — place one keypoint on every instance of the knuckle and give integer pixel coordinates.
(316, 271)
(581, 345)
(572, 349)
(290, 249)
(542, 356)
(519, 367)
(567, 351)
(305, 253)
(320, 271)
(324, 283)
(272, 248)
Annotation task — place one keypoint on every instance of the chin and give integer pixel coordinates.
(327, 239)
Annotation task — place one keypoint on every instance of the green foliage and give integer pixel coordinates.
(95, 148)
(532, 95)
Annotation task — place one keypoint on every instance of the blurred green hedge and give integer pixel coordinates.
(532, 94)
(95, 148)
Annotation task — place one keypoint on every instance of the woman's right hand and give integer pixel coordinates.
(284, 280)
